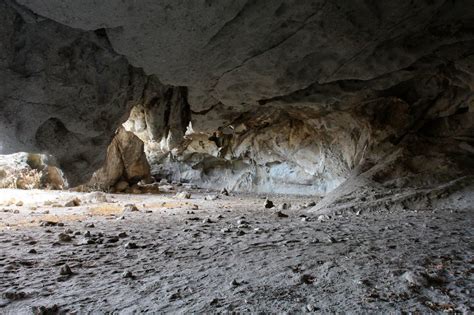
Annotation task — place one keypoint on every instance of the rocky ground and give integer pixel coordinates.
(94, 252)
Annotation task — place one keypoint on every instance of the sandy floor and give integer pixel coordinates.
(230, 254)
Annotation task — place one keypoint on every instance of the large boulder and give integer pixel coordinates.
(125, 161)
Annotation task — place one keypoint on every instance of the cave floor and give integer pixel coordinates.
(231, 254)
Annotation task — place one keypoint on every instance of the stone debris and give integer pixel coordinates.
(268, 204)
(284, 206)
(211, 197)
(224, 192)
(75, 202)
(65, 270)
(183, 195)
(281, 214)
(127, 274)
(63, 237)
(131, 245)
(414, 278)
(14, 295)
(130, 208)
(323, 218)
(46, 310)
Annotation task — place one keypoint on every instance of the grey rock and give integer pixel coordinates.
(65, 270)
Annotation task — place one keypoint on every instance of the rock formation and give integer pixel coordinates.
(125, 164)
(269, 96)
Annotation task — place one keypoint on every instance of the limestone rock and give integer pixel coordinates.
(125, 163)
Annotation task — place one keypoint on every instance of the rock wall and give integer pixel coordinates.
(63, 91)
(270, 96)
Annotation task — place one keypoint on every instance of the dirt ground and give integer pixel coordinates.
(177, 255)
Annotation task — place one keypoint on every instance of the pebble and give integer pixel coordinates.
(310, 204)
(281, 214)
(63, 237)
(130, 208)
(308, 279)
(122, 235)
(323, 218)
(284, 206)
(90, 225)
(73, 203)
(224, 192)
(268, 204)
(32, 251)
(127, 274)
(195, 207)
(131, 245)
(65, 270)
(211, 197)
(183, 195)
(19, 203)
(414, 278)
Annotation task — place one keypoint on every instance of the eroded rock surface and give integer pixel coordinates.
(125, 161)
(270, 96)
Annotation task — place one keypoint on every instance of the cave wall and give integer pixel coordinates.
(280, 96)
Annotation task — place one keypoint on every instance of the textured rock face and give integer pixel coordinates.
(125, 161)
(283, 96)
(63, 91)
(29, 171)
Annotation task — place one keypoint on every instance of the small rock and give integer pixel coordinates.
(19, 203)
(122, 235)
(307, 279)
(234, 283)
(131, 245)
(121, 186)
(90, 225)
(63, 237)
(183, 195)
(331, 239)
(113, 239)
(240, 233)
(268, 204)
(45, 310)
(16, 211)
(310, 204)
(13, 295)
(415, 278)
(284, 206)
(211, 197)
(281, 214)
(130, 208)
(32, 251)
(73, 203)
(323, 218)
(127, 274)
(207, 220)
(224, 192)
(195, 207)
(65, 270)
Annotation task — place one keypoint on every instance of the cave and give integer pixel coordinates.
(272, 156)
